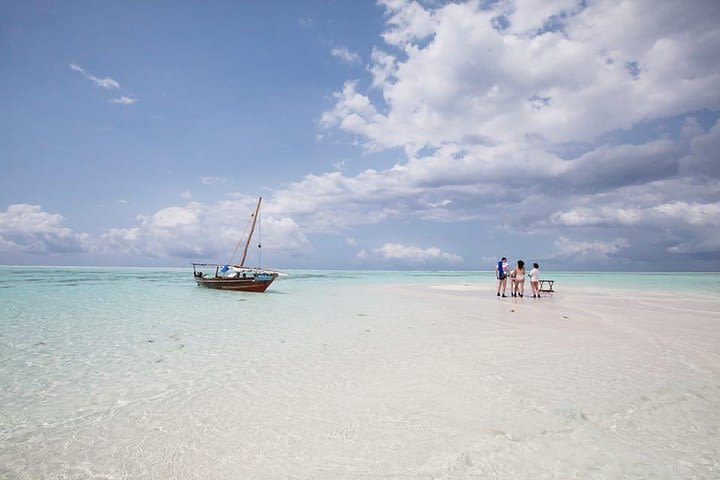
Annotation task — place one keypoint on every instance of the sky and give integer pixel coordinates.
(421, 135)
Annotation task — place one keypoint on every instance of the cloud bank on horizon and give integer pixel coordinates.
(582, 133)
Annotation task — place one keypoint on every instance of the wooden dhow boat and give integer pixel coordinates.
(237, 277)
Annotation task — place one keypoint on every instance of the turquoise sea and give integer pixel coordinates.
(120, 372)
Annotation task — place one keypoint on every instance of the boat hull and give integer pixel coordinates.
(235, 284)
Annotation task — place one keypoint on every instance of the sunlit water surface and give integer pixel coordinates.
(139, 373)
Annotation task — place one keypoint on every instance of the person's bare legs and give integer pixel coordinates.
(502, 284)
(521, 287)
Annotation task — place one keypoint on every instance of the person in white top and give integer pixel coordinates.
(535, 280)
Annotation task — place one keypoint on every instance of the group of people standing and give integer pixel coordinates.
(517, 278)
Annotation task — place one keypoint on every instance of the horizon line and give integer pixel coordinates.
(361, 270)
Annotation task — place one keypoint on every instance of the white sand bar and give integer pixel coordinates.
(451, 382)
(582, 384)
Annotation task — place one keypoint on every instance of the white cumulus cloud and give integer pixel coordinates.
(204, 231)
(411, 254)
(527, 111)
(588, 249)
(460, 76)
(29, 229)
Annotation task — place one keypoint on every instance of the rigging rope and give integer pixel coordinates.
(240, 242)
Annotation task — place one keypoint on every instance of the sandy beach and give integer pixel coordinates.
(580, 384)
(352, 380)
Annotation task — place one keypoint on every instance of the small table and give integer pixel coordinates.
(547, 286)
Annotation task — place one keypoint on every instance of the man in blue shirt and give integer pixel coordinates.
(501, 272)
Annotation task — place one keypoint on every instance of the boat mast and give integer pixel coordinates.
(252, 229)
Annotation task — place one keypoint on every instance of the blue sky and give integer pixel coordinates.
(397, 134)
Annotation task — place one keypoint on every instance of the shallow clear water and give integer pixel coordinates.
(127, 373)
